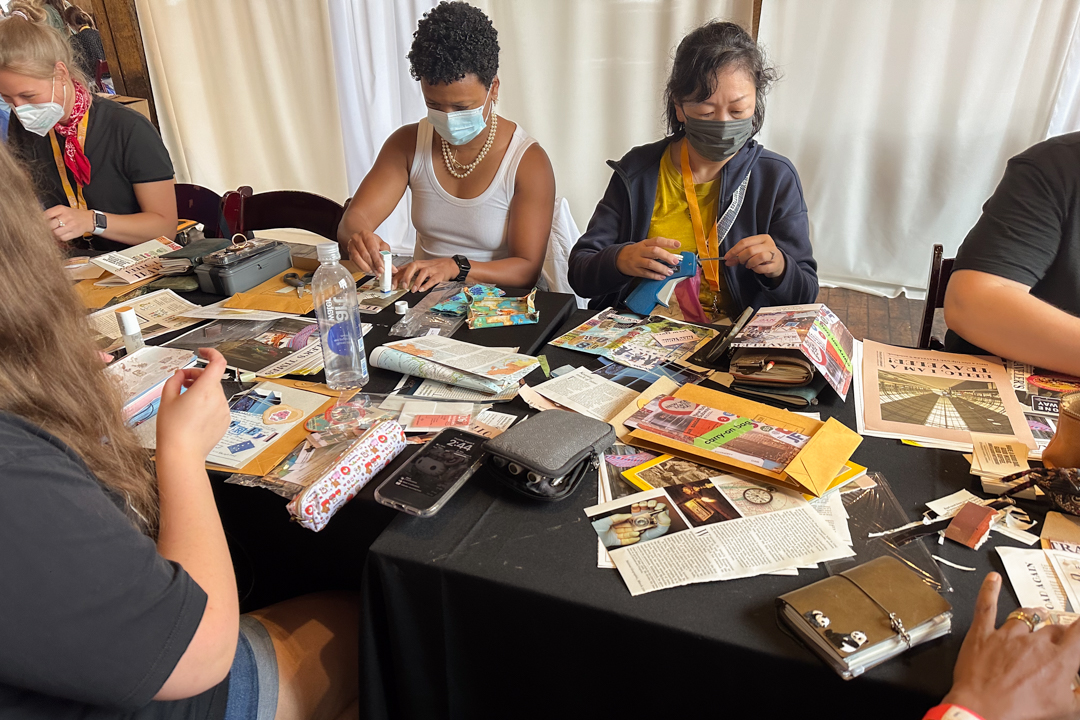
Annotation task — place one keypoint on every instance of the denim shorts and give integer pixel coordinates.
(253, 678)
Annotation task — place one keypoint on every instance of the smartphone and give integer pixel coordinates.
(430, 477)
(711, 355)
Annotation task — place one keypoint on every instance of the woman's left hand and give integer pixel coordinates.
(758, 253)
(67, 223)
(421, 275)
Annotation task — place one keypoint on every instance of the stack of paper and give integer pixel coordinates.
(141, 377)
(135, 263)
(158, 313)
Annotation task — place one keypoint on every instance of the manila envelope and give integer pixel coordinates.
(269, 458)
(1063, 528)
(812, 470)
(275, 296)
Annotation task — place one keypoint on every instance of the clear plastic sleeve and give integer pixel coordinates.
(421, 320)
(874, 510)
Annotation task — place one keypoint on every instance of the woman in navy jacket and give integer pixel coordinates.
(716, 104)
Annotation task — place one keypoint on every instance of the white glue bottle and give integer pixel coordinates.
(387, 283)
(129, 329)
(334, 293)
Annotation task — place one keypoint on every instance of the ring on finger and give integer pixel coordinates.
(772, 254)
(1030, 620)
(60, 222)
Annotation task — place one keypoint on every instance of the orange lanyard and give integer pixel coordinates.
(707, 247)
(74, 197)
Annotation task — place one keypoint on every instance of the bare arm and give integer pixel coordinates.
(190, 530)
(1002, 317)
(379, 193)
(528, 229)
(157, 201)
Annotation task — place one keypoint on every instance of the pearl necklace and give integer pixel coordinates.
(451, 162)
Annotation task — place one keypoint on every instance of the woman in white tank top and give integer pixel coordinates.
(483, 190)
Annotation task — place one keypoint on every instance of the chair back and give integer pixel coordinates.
(564, 233)
(203, 205)
(289, 209)
(230, 208)
(940, 271)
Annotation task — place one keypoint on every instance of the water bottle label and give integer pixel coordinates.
(339, 339)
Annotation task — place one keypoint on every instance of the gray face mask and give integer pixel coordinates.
(718, 140)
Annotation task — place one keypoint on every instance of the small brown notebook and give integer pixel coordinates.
(866, 615)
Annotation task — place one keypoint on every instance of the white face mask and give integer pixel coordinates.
(458, 128)
(39, 118)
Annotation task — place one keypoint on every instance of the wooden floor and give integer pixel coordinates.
(895, 321)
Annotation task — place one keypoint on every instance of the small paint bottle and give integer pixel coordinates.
(129, 329)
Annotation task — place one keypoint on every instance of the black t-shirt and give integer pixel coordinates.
(1029, 231)
(92, 619)
(123, 148)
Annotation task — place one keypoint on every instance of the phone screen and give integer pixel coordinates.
(437, 469)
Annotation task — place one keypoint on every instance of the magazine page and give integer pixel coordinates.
(587, 393)
(497, 366)
(135, 263)
(266, 347)
(159, 312)
(599, 334)
(1039, 392)
(938, 397)
(659, 539)
(388, 358)
(813, 329)
(259, 417)
(643, 343)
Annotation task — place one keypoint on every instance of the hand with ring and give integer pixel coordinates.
(758, 253)
(69, 223)
(1019, 671)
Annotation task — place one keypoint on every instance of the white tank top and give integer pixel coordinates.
(446, 225)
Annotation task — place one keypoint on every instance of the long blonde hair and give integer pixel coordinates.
(50, 372)
(32, 48)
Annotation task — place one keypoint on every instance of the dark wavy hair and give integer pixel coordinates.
(712, 47)
(452, 40)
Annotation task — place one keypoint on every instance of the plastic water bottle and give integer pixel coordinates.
(334, 292)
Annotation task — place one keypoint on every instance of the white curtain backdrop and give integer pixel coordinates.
(1066, 115)
(245, 93)
(376, 94)
(900, 116)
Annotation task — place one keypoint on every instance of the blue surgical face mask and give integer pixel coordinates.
(39, 118)
(458, 128)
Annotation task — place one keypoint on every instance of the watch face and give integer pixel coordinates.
(758, 496)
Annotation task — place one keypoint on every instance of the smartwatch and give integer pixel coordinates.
(463, 267)
(100, 222)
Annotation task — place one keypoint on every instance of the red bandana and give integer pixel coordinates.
(74, 157)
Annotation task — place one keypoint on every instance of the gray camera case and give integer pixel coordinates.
(546, 455)
(244, 274)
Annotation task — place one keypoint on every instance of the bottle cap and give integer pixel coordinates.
(401, 307)
(129, 321)
(328, 251)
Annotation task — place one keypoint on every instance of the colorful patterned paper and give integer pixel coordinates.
(459, 304)
(501, 312)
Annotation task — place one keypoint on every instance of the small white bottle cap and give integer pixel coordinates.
(129, 321)
(401, 307)
(328, 251)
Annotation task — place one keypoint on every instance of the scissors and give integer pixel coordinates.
(297, 281)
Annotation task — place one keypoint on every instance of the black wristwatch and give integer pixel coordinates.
(463, 267)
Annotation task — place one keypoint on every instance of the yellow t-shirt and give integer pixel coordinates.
(671, 219)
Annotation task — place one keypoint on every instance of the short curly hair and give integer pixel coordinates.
(452, 40)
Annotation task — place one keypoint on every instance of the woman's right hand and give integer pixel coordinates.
(190, 424)
(364, 248)
(649, 259)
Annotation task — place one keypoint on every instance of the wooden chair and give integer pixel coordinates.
(230, 208)
(203, 205)
(289, 209)
(940, 270)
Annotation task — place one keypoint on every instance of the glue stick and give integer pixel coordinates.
(387, 266)
(129, 329)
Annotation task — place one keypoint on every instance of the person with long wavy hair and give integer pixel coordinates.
(118, 596)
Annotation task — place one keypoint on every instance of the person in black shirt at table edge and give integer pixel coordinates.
(1015, 286)
(118, 597)
(100, 169)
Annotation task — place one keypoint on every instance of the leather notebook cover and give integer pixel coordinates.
(849, 610)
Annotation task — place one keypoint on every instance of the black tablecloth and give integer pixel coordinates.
(275, 558)
(495, 607)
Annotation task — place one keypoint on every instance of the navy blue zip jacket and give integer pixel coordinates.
(773, 205)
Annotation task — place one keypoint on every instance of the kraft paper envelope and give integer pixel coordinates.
(813, 468)
(1063, 528)
(275, 296)
(95, 298)
(269, 458)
